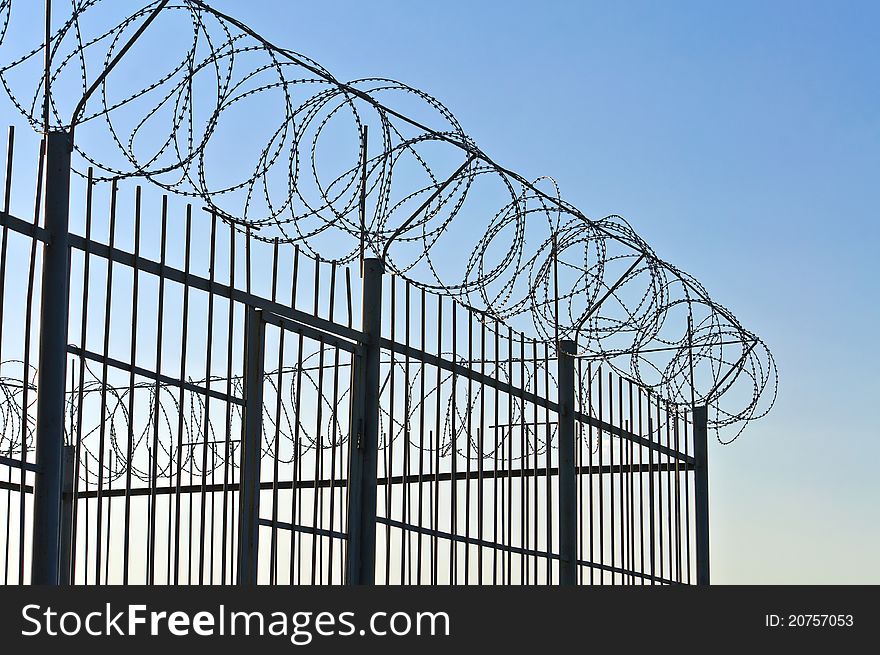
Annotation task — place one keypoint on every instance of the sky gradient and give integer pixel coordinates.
(741, 141)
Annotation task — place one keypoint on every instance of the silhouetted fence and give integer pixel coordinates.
(196, 406)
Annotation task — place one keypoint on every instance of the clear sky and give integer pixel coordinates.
(741, 140)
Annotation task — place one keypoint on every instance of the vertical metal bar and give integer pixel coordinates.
(296, 507)
(678, 544)
(601, 484)
(389, 444)
(337, 473)
(435, 438)
(3, 250)
(104, 423)
(621, 496)
(524, 461)
(53, 358)
(589, 408)
(206, 430)
(651, 501)
(68, 467)
(276, 437)
(405, 509)
(154, 456)
(295, 474)
(509, 464)
(318, 494)
(467, 443)
(497, 513)
(7, 183)
(333, 426)
(611, 505)
(86, 527)
(113, 463)
(364, 448)
(641, 493)
(25, 402)
(567, 491)
(453, 453)
(531, 502)
(669, 511)
(630, 487)
(701, 491)
(251, 448)
(423, 372)
(126, 522)
(622, 479)
(579, 467)
(548, 478)
(687, 507)
(181, 434)
(481, 435)
(227, 443)
(660, 461)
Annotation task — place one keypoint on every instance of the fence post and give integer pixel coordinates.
(51, 382)
(68, 467)
(251, 448)
(568, 567)
(363, 453)
(701, 491)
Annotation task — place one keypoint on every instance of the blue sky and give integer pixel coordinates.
(741, 140)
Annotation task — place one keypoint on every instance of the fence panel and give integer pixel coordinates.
(196, 455)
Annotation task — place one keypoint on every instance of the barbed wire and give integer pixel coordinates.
(204, 107)
(154, 430)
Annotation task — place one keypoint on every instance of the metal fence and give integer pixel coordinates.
(185, 404)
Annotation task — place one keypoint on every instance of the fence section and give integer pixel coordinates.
(227, 419)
